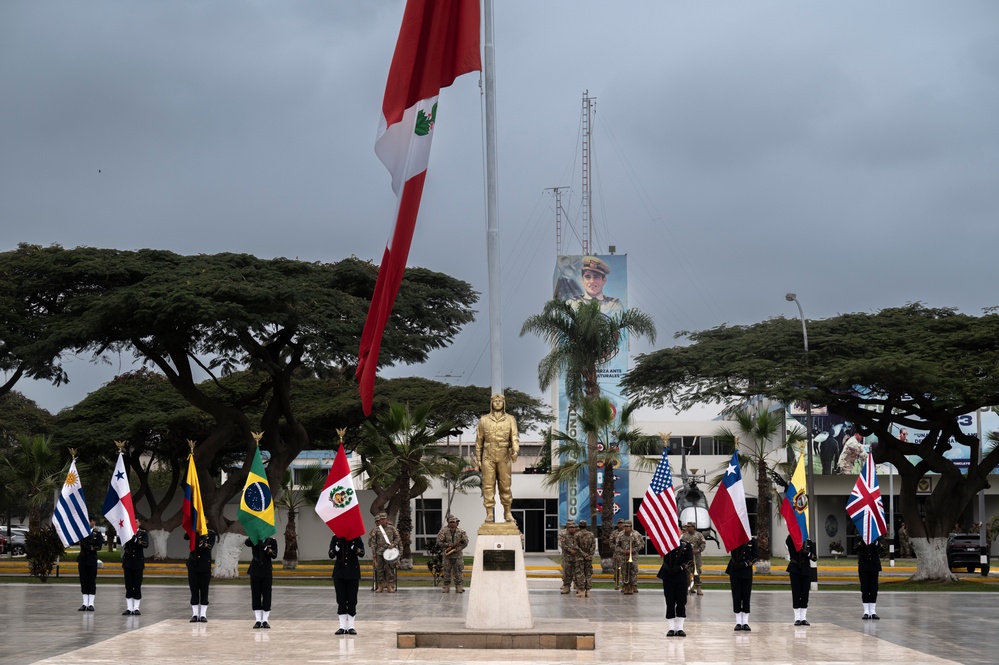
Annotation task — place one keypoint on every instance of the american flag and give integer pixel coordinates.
(865, 506)
(658, 510)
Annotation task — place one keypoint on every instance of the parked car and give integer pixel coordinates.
(964, 551)
(16, 544)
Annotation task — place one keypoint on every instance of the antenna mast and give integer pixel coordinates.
(558, 217)
(588, 103)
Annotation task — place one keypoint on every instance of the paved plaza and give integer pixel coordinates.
(42, 625)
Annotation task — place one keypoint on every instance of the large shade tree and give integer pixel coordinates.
(581, 339)
(209, 315)
(911, 367)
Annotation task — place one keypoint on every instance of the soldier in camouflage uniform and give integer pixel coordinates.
(385, 571)
(587, 545)
(631, 545)
(616, 553)
(697, 543)
(453, 542)
(567, 544)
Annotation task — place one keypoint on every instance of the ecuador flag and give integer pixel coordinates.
(794, 508)
(256, 509)
(192, 512)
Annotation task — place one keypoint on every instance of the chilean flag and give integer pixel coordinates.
(117, 506)
(728, 509)
(865, 506)
(438, 42)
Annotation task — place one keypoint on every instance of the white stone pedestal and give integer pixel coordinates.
(497, 599)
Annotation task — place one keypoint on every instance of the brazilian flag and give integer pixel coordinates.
(256, 508)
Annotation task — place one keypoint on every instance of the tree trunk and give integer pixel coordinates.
(606, 515)
(291, 542)
(931, 561)
(158, 539)
(227, 555)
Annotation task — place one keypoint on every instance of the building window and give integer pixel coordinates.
(427, 522)
(297, 473)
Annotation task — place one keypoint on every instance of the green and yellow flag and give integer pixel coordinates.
(256, 509)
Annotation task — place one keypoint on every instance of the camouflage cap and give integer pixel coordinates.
(627, 523)
(571, 524)
(582, 523)
(693, 524)
(596, 265)
(620, 521)
(451, 518)
(381, 516)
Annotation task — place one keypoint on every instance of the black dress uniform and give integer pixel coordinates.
(90, 545)
(799, 568)
(740, 576)
(199, 575)
(674, 573)
(133, 563)
(346, 580)
(262, 578)
(868, 568)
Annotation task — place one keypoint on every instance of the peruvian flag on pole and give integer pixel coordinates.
(438, 42)
(338, 505)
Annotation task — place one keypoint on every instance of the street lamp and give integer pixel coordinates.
(809, 472)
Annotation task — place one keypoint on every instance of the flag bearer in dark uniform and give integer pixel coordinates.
(133, 563)
(199, 575)
(868, 568)
(346, 580)
(453, 541)
(90, 545)
(261, 579)
(674, 573)
(740, 575)
(799, 568)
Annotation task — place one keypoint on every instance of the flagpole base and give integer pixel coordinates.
(497, 596)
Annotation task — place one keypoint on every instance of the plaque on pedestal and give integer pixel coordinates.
(498, 594)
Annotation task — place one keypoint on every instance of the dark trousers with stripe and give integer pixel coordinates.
(742, 588)
(133, 583)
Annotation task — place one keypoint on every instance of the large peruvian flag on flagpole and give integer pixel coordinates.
(438, 41)
(338, 505)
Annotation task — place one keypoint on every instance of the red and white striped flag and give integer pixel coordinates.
(338, 505)
(658, 510)
(438, 42)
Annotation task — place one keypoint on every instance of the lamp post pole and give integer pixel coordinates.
(809, 471)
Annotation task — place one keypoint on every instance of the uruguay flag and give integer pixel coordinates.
(728, 509)
(794, 508)
(70, 519)
(117, 506)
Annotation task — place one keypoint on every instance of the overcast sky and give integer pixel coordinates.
(846, 151)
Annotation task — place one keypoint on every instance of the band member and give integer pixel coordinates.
(868, 568)
(674, 573)
(261, 579)
(90, 545)
(346, 579)
(740, 575)
(133, 563)
(453, 542)
(199, 575)
(567, 544)
(380, 539)
(586, 544)
(697, 543)
(799, 568)
(630, 544)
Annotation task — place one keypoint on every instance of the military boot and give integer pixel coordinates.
(446, 589)
(580, 593)
(564, 589)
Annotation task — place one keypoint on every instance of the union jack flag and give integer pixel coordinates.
(658, 510)
(865, 507)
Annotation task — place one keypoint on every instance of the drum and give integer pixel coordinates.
(391, 554)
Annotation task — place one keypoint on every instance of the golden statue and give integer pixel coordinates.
(496, 449)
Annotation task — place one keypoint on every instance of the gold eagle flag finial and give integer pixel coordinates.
(340, 432)
(665, 436)
(256, 437)
(121, 445)
(192, 444)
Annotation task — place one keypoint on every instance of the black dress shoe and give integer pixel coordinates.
(746, 628)
(127, 613)
(265, 625)
(83, 608)
(875, 617)
(340, 631)
(797, 622)
(136, 612)
(194, 619)
(680, 633)
(738, 626)
(203, 619)
(670, 633)
(351, 631)
(256, 625)
(90, 608)
(865, 617)
(804, 622)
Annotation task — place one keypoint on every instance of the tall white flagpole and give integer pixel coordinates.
(492, 213)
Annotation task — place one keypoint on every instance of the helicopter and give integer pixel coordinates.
(691, 501)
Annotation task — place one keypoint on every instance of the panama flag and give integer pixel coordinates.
(794, 507)
(338, 505)
(70, 519)
(438, 42)
(192, 512)
(728, 509)
(865, 506)
(256, 509)
(117, 506)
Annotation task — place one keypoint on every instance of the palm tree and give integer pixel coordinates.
(581, 339)
(754, 436)
(400, 456)
(598, 417)
(293, 496)
(31, 473)
(460, 475)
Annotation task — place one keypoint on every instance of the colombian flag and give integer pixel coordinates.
(794, 508)
(193, 513)
(256, 509)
